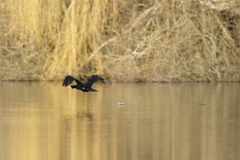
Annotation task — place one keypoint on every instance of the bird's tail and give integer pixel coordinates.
(92, 90)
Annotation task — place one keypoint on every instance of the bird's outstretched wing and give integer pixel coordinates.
(105, 81)
(95, 78)
(69, 79)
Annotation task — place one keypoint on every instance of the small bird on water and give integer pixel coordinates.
(87, 87)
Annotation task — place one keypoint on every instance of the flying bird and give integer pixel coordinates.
(87, 87)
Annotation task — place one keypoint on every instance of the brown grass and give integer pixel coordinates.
(136, 40)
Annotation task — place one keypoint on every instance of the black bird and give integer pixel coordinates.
(87, 87)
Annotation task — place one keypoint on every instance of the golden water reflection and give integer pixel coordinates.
(160, 121)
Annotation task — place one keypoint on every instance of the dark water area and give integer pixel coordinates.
(158, 121)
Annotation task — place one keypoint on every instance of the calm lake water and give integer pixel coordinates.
(187, 121)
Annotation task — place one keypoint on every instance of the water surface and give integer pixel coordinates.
(159, 121)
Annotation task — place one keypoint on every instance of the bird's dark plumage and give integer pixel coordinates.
(87, 87)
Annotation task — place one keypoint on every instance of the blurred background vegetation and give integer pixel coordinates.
(133, 40)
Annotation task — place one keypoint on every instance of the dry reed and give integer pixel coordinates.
(136, 40)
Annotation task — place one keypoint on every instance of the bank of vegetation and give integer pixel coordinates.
(135, 40)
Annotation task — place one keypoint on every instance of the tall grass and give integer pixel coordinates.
(136, 40)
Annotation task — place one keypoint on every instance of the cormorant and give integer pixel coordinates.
(87, 87)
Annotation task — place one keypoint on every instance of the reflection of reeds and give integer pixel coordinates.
(126, 40)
